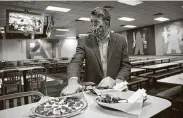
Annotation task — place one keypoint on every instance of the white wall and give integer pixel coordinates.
(69, 48)
(13, 50)
(1, 50)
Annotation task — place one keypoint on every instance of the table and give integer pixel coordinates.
(176, 79)
(162, 59)
(136, 70)
(179, 62)
(159, 66)
(94, 110)
(142, 62)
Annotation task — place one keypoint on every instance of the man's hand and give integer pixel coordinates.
(107, 82)
(72, 87)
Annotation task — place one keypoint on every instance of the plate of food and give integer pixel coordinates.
(120, 102)
(60, 107)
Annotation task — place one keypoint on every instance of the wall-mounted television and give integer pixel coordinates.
(20, 21)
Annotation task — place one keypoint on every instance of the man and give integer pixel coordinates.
(105, 54)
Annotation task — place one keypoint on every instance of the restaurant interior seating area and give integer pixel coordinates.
(37, 44)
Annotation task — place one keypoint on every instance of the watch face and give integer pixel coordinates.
(60, 107)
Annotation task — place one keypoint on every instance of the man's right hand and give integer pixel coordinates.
(72, 87)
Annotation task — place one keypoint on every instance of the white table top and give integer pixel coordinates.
(22, 68)
(157, 66)
(161, 59)
(180, 61)
(176, 79)
(134, 70)
(95, 111)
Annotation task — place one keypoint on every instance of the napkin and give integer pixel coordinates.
(121, 86)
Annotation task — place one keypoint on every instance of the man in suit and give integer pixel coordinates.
(105, 54)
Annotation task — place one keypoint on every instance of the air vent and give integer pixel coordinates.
(122, 25)
(158, 14)
(109, 7)
(77, 20)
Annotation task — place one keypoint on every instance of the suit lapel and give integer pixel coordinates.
(96, 50)
(111, 47)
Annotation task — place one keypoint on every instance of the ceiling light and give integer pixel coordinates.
(131, 2)
(32, 45)
(130, 26)
(161, 19)
(126, 19)
(84, 19)
(83, 34)
(72, 37)
(52, 8)
(64, 30)
(60, 35)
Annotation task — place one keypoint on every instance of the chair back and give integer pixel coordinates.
(12, 77)
(37, 79)
(18, 99)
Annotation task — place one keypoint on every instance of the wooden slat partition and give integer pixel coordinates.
(22, 100)
(7, 104)
(15, 102)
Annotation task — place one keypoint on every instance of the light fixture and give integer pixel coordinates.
(126, 19)
(83, 34)
(71, 37)
(130, 26)
(161, 19)
(52, 8)
(32, 45)
(63, 30)
(60, 35)
(130, 2)
(84, 19)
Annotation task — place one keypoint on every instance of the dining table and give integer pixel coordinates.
(151, 107)
(175, 79)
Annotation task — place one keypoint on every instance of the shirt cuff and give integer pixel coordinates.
(118, 80)
(73, 78)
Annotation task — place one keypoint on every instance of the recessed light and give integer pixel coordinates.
(126, 19)
(130, 2)
(71, 37)
(63, 30)
(52, 8)
(84, 19)
(161, 19)
(60, 35)
(130, 26)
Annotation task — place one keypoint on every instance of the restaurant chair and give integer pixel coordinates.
(10, 79)
(18, 99)
(37, 79)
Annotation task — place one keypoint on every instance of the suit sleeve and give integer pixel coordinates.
(125, 68)
(74, 67)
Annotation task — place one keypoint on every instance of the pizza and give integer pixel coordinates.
(60, 107)
(106, 98)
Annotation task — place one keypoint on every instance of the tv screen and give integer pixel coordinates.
(19, 21)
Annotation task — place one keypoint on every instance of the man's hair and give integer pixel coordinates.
(101, 13)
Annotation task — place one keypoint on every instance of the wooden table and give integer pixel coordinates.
(159, 66)
(180, 62)
(176, 79)
(142, 62)
(93, 110)
(137, 71)
(162, 59)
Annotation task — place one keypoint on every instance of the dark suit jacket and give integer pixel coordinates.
(118, 65)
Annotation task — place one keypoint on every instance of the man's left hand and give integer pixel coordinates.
(107, 82)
